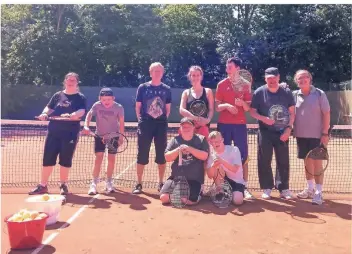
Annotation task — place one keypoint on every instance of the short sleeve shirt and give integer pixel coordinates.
(192, 168)
(233, 156)
(62, 103)
(107, 119)
(154, 100)
(226, 94)
(309, 113)
(273, 105)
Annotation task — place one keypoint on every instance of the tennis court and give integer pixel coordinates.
(125, 223)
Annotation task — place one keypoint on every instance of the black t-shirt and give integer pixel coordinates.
(154, 100)
(63, 103)
(193, 168)
(273, 105)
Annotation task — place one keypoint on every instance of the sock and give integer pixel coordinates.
(43, 184)
(245, 184)
(310, 184)
(319, 187)
(109, 180)
(95, 180)
(63, 183)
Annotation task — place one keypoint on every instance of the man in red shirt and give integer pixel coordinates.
(231, 102)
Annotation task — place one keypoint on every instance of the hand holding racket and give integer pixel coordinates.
(199, 109)
(241, 83)
(321, 154)
(114, 141)
(220, 191)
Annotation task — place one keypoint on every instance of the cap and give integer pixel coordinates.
(186, 120)
(106, 92)
(272, 71)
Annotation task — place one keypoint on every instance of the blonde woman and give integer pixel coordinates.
(62, 136)
(313, 110)
(199, 97)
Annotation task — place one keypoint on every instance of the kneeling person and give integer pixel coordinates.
(226, 159)
(194, 149)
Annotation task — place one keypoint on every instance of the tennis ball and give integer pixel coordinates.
(28, 219)
(26, 215)
(45, 197)
(34, 214)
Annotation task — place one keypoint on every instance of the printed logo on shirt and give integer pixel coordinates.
(155, 107)
(281, 116)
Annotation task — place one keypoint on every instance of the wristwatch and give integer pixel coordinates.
(289, 127)
(325, 134)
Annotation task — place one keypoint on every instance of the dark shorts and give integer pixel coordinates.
(304, 145)
(235, 186)
(60, 143)
(147, 131)
(236, 133)
(194, 188)
(99, 146)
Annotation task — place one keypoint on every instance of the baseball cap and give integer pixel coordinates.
(106, 92)
(186, 120)
(272, 71)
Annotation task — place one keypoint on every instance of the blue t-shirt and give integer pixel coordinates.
(154, 100)
(273, 105)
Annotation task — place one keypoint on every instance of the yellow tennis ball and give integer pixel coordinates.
(45, 197)
(34, 215)
(26, 215)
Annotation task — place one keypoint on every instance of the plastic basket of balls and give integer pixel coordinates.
(48, 203)
(25, 229)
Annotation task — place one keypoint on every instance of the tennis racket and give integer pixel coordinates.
(242, 83)
(319, 153)
(198, 108)
(220, 191)
(114, 141)
(60, 118)
(180, 188)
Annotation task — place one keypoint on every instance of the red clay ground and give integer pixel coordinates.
(124, 223)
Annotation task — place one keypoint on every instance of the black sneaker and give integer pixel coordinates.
(137, 189)
(40, 189)
(63, 189)
(160, 186)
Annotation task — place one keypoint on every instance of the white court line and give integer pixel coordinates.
(74, 216)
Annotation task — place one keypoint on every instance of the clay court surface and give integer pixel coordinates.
(125, 223)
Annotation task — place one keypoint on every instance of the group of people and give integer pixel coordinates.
(278, 110)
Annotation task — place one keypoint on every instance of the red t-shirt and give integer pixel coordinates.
(226, 94)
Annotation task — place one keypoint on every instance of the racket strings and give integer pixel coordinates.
(319, 154)
(180, 192)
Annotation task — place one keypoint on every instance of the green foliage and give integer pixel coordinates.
(114, 45)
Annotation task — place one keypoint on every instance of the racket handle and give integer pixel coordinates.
(180, 157)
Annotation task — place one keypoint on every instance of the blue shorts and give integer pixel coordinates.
(236, 133)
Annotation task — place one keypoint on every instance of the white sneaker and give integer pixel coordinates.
(92, 189)
(266, 194)
(286, 194)
(109, 188)
(247, 194)
(306, 193)
(317, 198)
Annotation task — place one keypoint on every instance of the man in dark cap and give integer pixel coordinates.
(274, 108)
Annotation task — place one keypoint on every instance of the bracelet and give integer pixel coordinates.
(325, 134)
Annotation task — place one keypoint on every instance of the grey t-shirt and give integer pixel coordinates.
(107, 119)
(193, 168)
(273, 105)
(309, 113)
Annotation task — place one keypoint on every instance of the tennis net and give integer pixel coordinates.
(22, 144)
